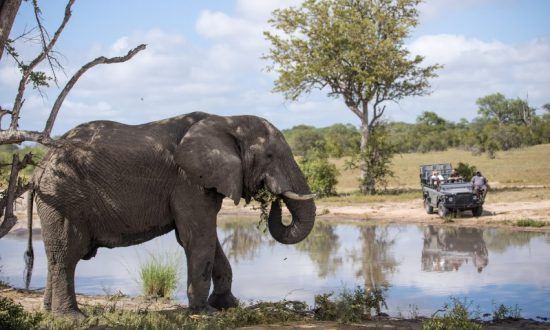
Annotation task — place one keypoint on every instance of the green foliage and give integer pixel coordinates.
(320, 174)
(505, 111)
(334, 141)
(375, 161)
(13, 316)
(532, 223)
(6, 153)
(356, 48)
(456, 316)
(349, 306)
(265, 198)
(466, 171)
(503, 312)
(159, 275)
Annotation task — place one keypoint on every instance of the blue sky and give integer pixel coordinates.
(204, 55)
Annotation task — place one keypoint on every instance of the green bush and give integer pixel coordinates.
(349, 306)
(466, 171)
(13, 316)
(456, 316)
(159, 275)
(320, 174)
(503, 312)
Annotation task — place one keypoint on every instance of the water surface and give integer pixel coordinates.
(422, 265)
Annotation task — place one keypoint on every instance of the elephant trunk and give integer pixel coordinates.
(303, 219)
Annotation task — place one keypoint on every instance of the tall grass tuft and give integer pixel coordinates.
(160, 275)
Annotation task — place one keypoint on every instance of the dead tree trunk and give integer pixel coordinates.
(8, 11)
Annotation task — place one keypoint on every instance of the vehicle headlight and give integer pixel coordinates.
(450, 199)
(475, 198)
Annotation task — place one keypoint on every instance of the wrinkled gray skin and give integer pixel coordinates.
(123, 185)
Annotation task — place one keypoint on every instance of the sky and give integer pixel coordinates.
(206, 56)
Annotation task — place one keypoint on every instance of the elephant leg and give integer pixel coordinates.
(222, 277)
(48, 292)
(66, 243)
(200, 253)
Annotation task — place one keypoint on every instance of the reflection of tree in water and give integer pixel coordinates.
(448, 248)
(375, 258)
(242, 240)
(500, 240)
(321, 245)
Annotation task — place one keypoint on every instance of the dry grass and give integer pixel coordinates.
(527, 166)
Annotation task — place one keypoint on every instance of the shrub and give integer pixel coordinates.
(13, 316)
(456, 315)
(503, 312)
(466, 170)
(320, 174)
(159, 276)
(354, 306)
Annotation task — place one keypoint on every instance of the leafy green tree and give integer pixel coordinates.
(341, 140)
(505, 111)
(303, 139)
(355, 49)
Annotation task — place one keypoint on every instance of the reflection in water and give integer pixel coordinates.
(241, 242)
(500, 240)
(339, 255)
(375, 258)
(322, 246)
(448, 248)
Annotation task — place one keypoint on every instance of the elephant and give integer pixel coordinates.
(113, 185)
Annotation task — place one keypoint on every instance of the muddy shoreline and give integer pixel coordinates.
(495, 215)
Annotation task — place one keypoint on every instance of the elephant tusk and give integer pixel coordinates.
(298, 197)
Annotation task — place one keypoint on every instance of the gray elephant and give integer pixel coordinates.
(117, 185)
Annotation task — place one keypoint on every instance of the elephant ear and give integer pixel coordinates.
(209, 155)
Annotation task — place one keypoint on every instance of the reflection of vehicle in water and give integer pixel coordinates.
(448, 248)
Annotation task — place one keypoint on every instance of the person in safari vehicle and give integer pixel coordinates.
(480, 184)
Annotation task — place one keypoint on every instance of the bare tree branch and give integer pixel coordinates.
(17, 104)
(77, 75)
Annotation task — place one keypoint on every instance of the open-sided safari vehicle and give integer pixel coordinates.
(448, 197)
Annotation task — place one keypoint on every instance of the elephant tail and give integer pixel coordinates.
(29, 254)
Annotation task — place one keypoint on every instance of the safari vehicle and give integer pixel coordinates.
(448, 197)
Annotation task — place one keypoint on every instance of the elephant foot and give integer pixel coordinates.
(74, 313)
(206, 309)
(223, 300)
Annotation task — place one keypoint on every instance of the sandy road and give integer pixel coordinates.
(494, 215)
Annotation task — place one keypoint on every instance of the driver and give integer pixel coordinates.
(480, 184)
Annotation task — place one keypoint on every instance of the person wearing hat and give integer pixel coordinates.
(480, 184)
(455, 177)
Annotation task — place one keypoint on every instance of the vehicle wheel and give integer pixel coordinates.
(429, 209)
(477, 211)
(442, 210)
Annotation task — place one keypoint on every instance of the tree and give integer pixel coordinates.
(8, 10)
(505, 111)
(353, 48)
(29, 75)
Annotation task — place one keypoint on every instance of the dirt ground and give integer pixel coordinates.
(496, 214)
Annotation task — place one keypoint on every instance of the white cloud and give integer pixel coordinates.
(225, 75)
(474, 68)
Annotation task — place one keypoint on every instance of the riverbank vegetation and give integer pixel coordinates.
(159, 275)
(357, 307)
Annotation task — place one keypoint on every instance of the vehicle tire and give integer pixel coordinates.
(477, 211)
(429, 209)
(442, 210)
